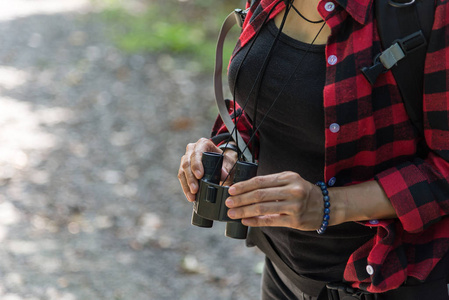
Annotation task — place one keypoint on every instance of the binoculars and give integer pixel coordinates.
(210, 205)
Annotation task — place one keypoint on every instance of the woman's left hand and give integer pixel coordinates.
(278, 200)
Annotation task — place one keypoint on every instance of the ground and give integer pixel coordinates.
(90, 143)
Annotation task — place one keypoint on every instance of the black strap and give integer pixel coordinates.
(401, 18)
(435, 290)
(221, 138)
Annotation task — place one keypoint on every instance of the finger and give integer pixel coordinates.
(261, 209)
(188, 182)
(202, 145)
(280, 221)
(227, 172)
(258, 182)
(288, 216)
(186, 175)
(185, 187)
(226, 178)
(258, 196)
(267, 221)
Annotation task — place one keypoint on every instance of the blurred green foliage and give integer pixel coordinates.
(178, 27)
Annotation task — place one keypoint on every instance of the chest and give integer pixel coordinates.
(297, 22)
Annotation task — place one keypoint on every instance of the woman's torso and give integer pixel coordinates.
(292, 139)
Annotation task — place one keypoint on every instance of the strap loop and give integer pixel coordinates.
(240, 16)
(400, 4)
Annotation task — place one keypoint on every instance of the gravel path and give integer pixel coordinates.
(90, 142)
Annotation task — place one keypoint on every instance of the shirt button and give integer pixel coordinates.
(334, 128)
(369, 269)
(332, 181)
(332, 60)
(329, 6)
(374, 222)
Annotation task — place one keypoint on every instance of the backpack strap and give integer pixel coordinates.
(404, 29)
(236, 17)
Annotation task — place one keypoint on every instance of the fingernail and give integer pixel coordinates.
(231, 214)
(231, 190)
(191, 197)
(229, 202)
(193, 187)
(198, 174)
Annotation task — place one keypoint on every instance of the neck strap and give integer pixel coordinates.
(236, 17)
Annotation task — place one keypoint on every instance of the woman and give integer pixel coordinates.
(326, 136)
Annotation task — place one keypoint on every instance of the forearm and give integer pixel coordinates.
(359, 202)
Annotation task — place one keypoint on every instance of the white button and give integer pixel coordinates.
(332, 60)
(332, 181)
(374, 222)
(369, 269)
(329, 6)
(334, 128)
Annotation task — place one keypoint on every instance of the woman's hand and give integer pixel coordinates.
(278, 200)
(287, 200)
(191, 168)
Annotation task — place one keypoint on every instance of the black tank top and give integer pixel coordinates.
(292, 139)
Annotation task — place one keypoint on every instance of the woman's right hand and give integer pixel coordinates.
(191, 169)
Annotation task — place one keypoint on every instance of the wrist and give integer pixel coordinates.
(360, 202)
(340, 206)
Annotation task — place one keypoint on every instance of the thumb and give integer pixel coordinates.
(225, 177)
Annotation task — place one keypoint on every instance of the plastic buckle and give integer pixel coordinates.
(336, 289)
(371, 73)
(413, 42)
(392, 55)
(240, 16)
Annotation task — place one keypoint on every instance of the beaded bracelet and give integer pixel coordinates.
(327, 205)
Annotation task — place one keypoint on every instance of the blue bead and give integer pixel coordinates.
(326, 200)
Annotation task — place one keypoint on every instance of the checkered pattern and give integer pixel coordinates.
(377, 141)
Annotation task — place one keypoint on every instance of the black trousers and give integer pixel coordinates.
(276, 288)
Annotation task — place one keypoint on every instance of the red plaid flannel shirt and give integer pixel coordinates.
(376, 141)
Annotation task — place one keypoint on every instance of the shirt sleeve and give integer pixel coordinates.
(419, 190)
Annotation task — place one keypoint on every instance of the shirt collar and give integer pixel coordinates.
(358, 9)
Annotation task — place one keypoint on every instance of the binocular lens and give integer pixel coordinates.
(212, 163)
(244, 171)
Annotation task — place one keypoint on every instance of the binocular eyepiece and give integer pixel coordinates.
(210, 205)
